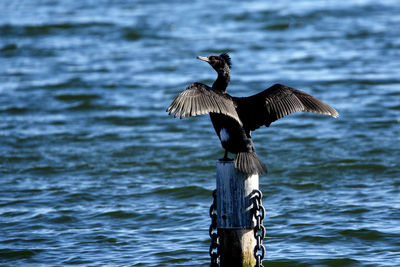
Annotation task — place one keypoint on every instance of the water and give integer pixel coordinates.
(94, 172)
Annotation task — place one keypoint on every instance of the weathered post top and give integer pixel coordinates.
(235, 222)
(234, 191)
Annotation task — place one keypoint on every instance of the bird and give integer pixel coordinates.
(234, 118)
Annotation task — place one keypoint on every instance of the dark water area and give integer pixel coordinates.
(94, 173)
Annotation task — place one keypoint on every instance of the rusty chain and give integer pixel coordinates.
(214, 252)
(258, 212)
(259, 229)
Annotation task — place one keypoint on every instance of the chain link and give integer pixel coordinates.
(259, 229)
(214, 251)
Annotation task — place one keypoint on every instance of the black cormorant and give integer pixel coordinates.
(234, 118)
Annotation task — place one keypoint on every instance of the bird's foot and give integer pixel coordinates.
(225, 159)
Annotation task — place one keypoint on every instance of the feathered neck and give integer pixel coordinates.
(224, 77)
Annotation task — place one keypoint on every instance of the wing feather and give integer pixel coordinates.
(276, 102)
(200, 99)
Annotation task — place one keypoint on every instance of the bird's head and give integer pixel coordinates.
(219, 63)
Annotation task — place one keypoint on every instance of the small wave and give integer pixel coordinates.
(371, 167)
(19, 158)
(48, 29)
(353, 82)
(338, 12)
(119, 214)
(361, 33)
(124, 120)
(31, 51)
(42, 170)
(76, 261)
(91, 105)
(304, 59)
(8, 47)
(74, 97)
(102, 239)
(306, 186)
(184, 192)
(86, 105)
(24, 240)
(68, 84)
(277, 26)
(355, 210)
(132, 34)
(308, 139)
(338, 262)
(395, 107)
(364, 234)
(11, 203)
(15, 110)
(13, 213)
(18, 253)
(105, 239)
(285, 263)
(316, 239)
(78, 197)
(312, 262)
(63, 219)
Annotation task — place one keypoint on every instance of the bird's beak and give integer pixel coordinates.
(203, 58)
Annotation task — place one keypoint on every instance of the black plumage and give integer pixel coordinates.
(234, 118)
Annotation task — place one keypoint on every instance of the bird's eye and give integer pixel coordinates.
(214, 60)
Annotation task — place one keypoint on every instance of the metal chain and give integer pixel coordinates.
(214, 251)
(259, 229)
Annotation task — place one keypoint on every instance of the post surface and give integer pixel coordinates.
(234, 218)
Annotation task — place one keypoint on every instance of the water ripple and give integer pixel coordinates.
(94, 172)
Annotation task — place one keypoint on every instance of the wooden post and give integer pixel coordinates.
(234, 218)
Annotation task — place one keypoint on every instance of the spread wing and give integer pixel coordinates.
(276, 102)
(200, 99)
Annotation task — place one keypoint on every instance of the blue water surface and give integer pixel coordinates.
(94, 173)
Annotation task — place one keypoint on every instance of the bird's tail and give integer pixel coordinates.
(249, 163)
